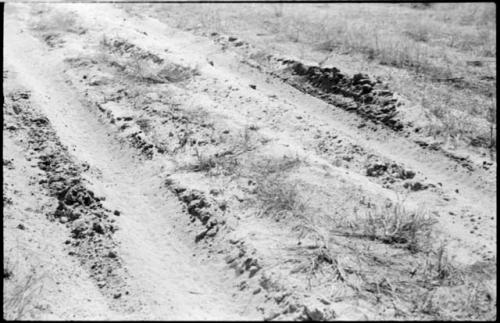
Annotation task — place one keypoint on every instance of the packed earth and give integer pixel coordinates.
(156, 173)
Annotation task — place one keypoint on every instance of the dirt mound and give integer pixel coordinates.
(359, 93)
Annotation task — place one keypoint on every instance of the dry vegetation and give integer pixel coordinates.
(368, 255)
(139, 66)
(441, 56)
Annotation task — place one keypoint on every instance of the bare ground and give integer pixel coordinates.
(167, 175)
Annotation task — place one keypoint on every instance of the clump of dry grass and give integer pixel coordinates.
(142, 66)
(392, 224)
(278, 196)
(176, 73)
(227, 161)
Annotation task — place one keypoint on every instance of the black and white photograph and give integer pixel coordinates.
(249, 161)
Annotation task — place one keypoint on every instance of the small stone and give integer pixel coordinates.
(117, 213)
(97, 227)
(253, 270)
(324, 301)
(314, 314)
(21, 227)
(200, 235)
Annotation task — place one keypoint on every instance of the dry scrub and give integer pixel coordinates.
(393, 224)
(142, 66)
(441, 56)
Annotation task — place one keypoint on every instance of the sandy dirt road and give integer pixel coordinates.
(171, 282)
(165, 273)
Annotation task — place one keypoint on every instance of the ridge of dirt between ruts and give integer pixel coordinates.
(91, 225)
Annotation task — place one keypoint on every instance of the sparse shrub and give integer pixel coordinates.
(214, 164)
(142, 65)
(278, 196)
(225, 162)
(176, 73)
(203, 162)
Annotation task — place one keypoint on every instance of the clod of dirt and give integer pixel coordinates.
(393, 170)
(53, 40)
(415, 186)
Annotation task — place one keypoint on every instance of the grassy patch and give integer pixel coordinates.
(443, 53)
(140, 65)
(393, 224)
(278, 196)
(226, 161)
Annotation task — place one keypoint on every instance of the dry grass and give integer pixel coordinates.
(227, 161)
(141, 66)
(443, 53)
(393, 224)
(278, 196)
